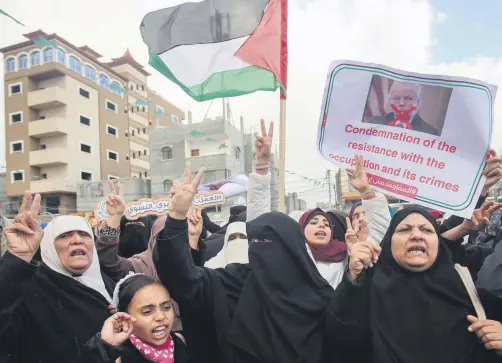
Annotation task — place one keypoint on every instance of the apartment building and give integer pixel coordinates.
(215, 144)
(293, 203)
(71, 117)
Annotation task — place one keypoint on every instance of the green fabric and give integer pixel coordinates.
(44, 42)
(141, 103)
(231, 83)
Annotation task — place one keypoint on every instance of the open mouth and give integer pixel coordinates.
(416, 250)
(78, 253)
(160, 332)
(320, 234)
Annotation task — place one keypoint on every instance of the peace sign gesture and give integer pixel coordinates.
(358, 177)
(356, 234)
(25, 234)
(481, 217)
(182, 193)
(115, 205)
(263, 143)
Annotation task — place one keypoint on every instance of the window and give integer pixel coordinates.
(35, 58)
(144, 130)
(22, 62)
(137, 108)
(10, 64)
(146, 174)
(43, 176)
(132, 87)
(43, 147)
(159, 110)
(110, 130)
(139, 131)
(61, 56)
(112, 155)
(48, 55)
(17, 176)
(228, 173)
(16, 146)
(167, 153)
(84, 93)
(15, 89)
(137, 87)
(90, 72)
(132, 132)
(174, 118)
(126, 134)
(16, 117)
(116, 88)
(112, 177)
(237, 153)
(85, 175)
(132, 109)
(195, 152)
(127, 157)
(85, 148)
(167, 184)
(111, 106)
(85, 120)
(143, 87)
(144, 152)
(134, 155)
(104, 80)
(75, 64)
(144, 109)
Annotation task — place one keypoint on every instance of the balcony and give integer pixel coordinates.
(47, 98)
(51, 126)
(138, 163)
(47, 157)
(52, 185)
(141, 118)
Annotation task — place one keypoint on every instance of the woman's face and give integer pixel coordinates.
(75, 251)
(415, 243)
(318, 230)
(151, 306)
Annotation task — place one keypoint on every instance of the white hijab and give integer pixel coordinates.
(235, 251)
(62, 224)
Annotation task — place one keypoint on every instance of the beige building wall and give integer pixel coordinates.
(167, 107)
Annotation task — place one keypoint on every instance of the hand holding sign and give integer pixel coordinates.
(493, 171)
(183, 193)
(358, 177)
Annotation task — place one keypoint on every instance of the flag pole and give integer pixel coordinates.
(282, 155)
(282, 121)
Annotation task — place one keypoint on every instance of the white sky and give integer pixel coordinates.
(320, 31)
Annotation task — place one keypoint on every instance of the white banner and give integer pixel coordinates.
(424, 138)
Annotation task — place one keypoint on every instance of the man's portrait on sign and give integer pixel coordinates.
(407, 105)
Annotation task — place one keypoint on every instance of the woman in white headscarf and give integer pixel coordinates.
(235, 247)
(49, 310)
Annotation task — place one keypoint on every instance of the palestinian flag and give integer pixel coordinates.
(220, 48)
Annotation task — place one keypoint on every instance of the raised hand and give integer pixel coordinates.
(481, 217)
(25, 234)
(195, 223)
(117, 328)
(492, 171)
(263, 143)
(115, 204)
(489, 332)
(358, 177)
(182, 193)
(350, 235)
(362, 255)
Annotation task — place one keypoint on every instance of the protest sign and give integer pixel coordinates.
(424, 138)
(159, 206)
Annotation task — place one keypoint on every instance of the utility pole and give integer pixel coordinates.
(328, 176)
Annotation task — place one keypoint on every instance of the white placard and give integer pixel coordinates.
(424, 138)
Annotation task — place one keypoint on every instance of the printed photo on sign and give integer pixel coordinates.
(413, 106)
(424, 138)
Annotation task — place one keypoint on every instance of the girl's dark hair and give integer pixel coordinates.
(130, 287)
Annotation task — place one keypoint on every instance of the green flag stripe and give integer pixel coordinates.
(230, 83)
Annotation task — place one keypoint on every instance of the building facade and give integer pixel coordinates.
(214, 144)
(69, 119)
(293, 203)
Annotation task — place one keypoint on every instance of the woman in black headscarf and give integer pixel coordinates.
(270, 310)
(134, 236)
(409, 304)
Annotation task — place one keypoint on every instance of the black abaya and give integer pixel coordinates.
(45, 316)
(270, 310)
(410, 317)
